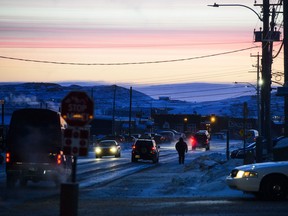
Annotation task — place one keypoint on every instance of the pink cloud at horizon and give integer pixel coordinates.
(49, 37)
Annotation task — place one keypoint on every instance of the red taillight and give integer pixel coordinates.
(192, 140)
(133, 147)
(59, 159)
(8, 157)
(153, 148)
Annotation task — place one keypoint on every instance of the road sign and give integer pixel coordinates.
(77, 108)
(76, 141)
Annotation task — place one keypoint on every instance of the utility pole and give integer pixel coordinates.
(130, 111)
(258, 93)
(113, 110)
(266, 76)
(285, 42)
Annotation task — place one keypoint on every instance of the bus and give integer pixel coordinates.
(34, 148)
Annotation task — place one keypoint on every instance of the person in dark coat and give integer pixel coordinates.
(181, 148)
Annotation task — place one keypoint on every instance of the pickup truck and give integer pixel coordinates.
(267, 180)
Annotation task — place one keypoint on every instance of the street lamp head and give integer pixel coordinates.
(214, 5)
(236, 5)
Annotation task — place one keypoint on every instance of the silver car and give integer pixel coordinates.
(269, 180)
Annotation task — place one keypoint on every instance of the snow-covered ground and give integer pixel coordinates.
(202, 175)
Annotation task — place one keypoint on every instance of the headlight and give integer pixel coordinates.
(113, 149)
(246, 174)
(98, 150)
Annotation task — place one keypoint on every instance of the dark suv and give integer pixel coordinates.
(145, 149)
(200, 140)
(34, 148)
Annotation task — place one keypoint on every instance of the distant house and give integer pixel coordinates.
(164, 98)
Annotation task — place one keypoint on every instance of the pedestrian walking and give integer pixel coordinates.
(182, 148)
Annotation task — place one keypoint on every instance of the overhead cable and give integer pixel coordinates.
(128, 63)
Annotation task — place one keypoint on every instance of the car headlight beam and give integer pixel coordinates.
(246, 174)
(113, 149)
(97, 150)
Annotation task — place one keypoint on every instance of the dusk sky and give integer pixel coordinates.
(129, 41)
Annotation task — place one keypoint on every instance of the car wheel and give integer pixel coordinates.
(274, 188)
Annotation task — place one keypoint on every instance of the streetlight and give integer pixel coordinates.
(257, 88)
(267, 45)
(236, 5)
(185, 124)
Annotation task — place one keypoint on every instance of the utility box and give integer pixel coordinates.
(272, 36)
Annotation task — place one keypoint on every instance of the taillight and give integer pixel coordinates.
(153, 148)
(192, 140)
(8, 157)
(133, 147)
(59, 159)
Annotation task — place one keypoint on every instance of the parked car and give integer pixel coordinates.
(169, 135)
(157, 137)
(268, 180)
(200, 140)
(251, 135)
(145, 149)
(129, 138)
(251, 149)
(107, 148)
(177, 134)
(239, 153)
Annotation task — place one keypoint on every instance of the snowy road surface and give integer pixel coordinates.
(116, 186)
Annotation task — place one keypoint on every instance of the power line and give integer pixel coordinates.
(128, 63)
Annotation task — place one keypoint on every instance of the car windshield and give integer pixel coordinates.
(107, 144)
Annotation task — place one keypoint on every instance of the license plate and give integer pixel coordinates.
(137, 156)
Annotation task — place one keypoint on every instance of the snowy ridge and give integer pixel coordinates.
(191, 98)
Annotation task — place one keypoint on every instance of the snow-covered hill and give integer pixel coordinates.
(173, 99)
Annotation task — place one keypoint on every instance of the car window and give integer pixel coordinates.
(146, 144)
(106, 144)
(201, 136)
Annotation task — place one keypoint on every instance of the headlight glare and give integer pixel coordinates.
(246, 174)
(113, 149)
(97, 150)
